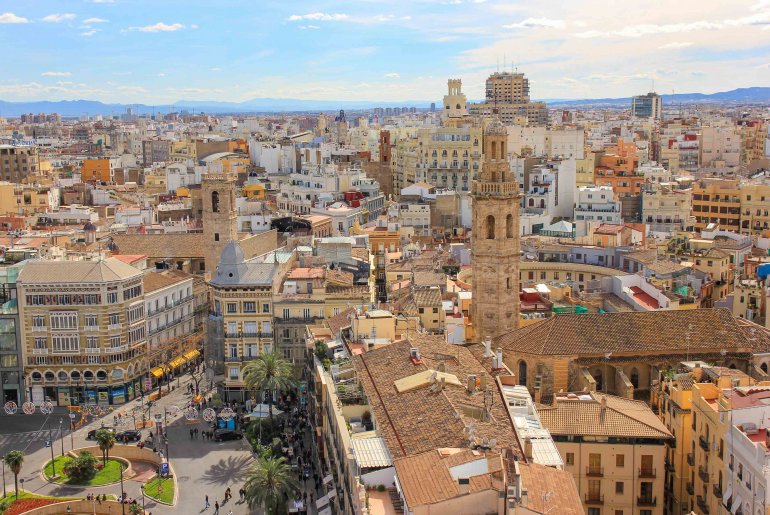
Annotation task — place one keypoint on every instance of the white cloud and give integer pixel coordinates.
(161, 74)
(56, 18)
(676, 44)
(216, 69)
(56, 74)
(309, 27)
(193, 26)
(160, 27)
(319, 17)
(103, 1)
(392, 75)
(95, 20)
(12, 18)
(537, 23)
(89, 33)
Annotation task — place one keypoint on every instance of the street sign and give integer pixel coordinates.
(164, 471)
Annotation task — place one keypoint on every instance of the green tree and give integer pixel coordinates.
(270, 483)
(83, 467)
(106, 441)
(14, 460)
(269, 372)
(135, 509)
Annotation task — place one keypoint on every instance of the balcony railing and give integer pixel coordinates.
(114, 350)
(717, 491)
(595, 471)
(242, 334)
(39, 329)
(704, 443)
(238, 359)
(690, 459)
(647, 472)
(646, 500)
(113, 327)
(594, 499)
(40, 351)
(703, 474)
(93, 350)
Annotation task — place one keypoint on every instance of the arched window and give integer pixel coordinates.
(523, 373)
(502, 150)
(542, 203)
(508, 283)
(635, 377)
(494, 150)
(490, 227)
(599, 378)
(763, 366)
(215, 201)
(531, 202)
(509, 226)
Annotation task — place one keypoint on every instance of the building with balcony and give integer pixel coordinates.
(242, 318)
(717, 201)
(84, 331)
(17, 162)
(666, 208)
(613, 447)
(11, 343)
(597, 203)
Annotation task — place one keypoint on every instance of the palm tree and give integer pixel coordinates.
(269, 372)
(269, 484)
(14, 460)
(106, 440)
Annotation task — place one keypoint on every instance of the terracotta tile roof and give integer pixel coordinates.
(609, 229)
(539, 480)
(420, 420)
(427, 297)
(188, 245)
(106, 270)
(666, 267)
(426, 478)
(306, 273)
(360, 253)
(622, 417)
(643, 256)
(429, 278)
(339, 277)
(663, 332)
(156, 280)
(340, 321)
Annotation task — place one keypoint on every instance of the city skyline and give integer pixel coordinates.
(135, 51)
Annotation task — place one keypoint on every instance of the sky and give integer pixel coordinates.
(164, 51)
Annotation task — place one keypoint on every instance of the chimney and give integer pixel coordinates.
(441, 366)
(499, 361)
(483, 382)
(441, 383)
(488, 347)
(697, 373)
(528, 449)
(603, 406)
(471, 383)
(538, 395)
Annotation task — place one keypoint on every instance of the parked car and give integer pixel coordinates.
(131, 434)
(221, 435)
(92, 433)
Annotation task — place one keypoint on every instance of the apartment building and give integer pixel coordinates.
(717, 200)
(597, 203)
(666, 208)
(99, 169)
(449, 157)
(11, 343)
(155, 151)
(242, 296)
(614, 448)
(507, 96)
(755, 207)
(173, 337)
(84, 331)
(17, 162)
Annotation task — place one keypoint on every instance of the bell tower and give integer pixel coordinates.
(220, 224)
(495, 240)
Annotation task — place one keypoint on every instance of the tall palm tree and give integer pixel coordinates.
(269, 372)
(270, 482)
(106, 440)
(14, 460)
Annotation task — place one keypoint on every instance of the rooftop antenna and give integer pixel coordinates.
(504, 61)
(498, 64)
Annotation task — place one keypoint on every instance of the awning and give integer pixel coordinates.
(157, 371)
(177, 362)
(371, 452)
(192, 354)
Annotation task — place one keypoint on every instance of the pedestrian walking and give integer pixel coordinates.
(191, 434)
(216, 507)
(207, 503)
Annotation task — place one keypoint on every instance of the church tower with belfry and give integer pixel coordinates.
(495, 240)
(220, 222)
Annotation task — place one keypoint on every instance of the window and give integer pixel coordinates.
(286, 313)
(91, 321)
(620, 460)
(64, 320)
(249, 328)
(265, 308)
(490, 227)
(38, 321)
(216, 236)
(265, 328)
(113, 318)
(232, 307)
(594, 511)
(306, 313)
(570, 458)
(114, 342)
(65, 343)
(92, 342)
(234, 371)
(112, 298)
(619, 487)
(249, 307)
(41, 342)
(132, 292)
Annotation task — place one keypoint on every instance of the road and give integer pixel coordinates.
(201, 467)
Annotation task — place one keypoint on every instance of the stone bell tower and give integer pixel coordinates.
(495, 240)
(220, 223)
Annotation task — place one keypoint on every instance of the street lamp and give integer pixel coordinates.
(141, 487)
(50, 443)
(122, 492)
(5, 494)
(72, 431)
(61, 436)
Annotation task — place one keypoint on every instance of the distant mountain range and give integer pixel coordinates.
(70, 108)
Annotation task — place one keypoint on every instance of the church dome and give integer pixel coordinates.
(495, 127)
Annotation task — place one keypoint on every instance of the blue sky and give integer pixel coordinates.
(163, 51)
